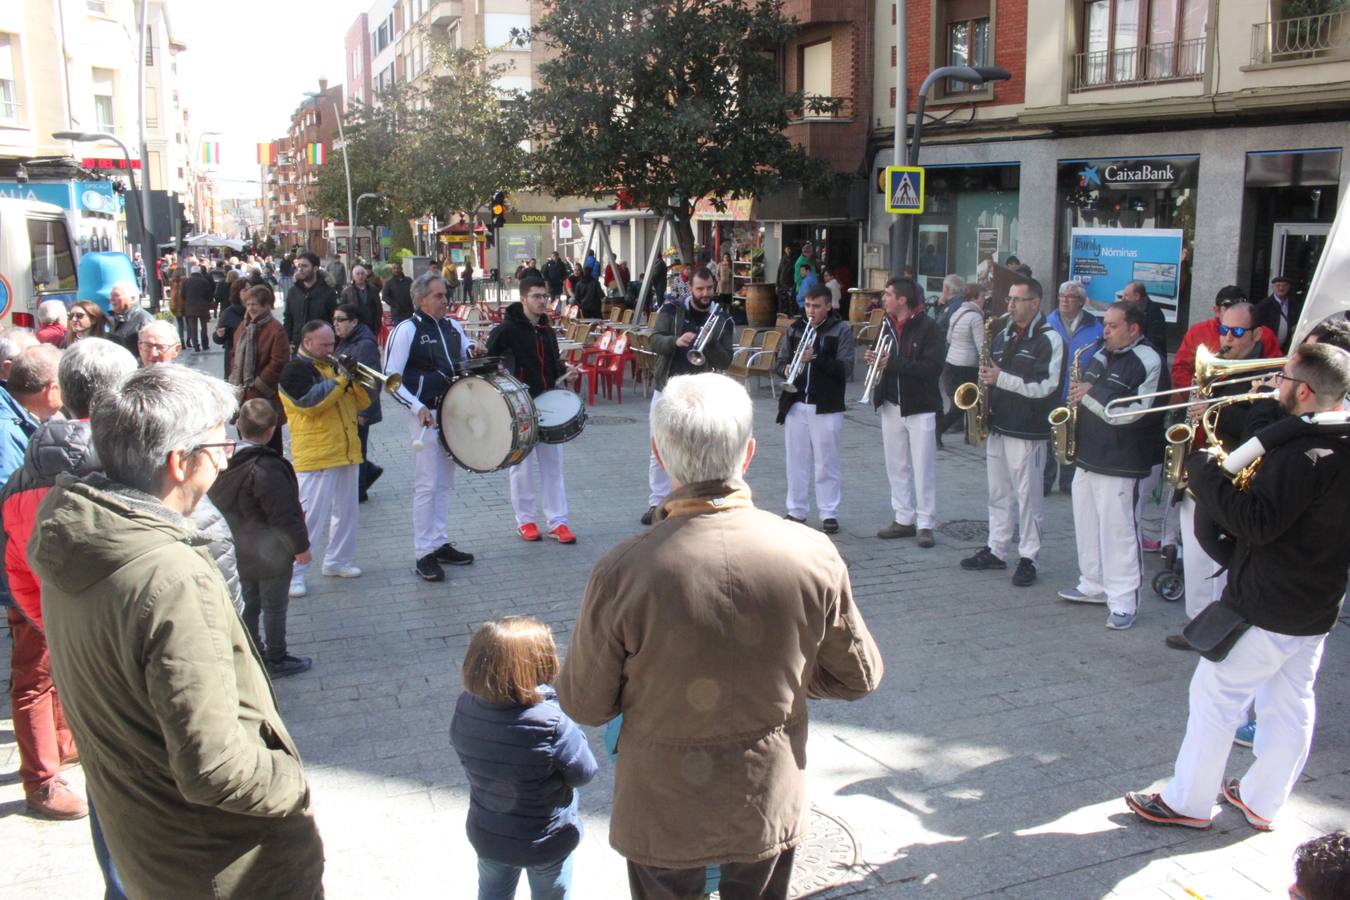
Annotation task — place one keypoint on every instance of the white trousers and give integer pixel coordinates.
(1278, 671)
(910, 445)
(812, 443)
(1204, 581)
(433, 479)
(545, 462)
(658, 482)
(329, 498)
(1108, 542)
(1146, 523)
(1016, 470)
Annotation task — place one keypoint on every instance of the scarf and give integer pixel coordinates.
(243, 373)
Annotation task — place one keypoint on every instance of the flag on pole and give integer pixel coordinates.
(267, 155)
(315, 154)
(210, 153)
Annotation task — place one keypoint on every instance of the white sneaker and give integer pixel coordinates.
(1074, 595)
(342, 571)
(298, 587)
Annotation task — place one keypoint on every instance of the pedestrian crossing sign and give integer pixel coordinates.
(904, 190)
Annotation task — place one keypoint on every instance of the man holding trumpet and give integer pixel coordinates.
(908, 358)
(1023, 375)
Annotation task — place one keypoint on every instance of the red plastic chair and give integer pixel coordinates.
(610, 368)
(592, 358)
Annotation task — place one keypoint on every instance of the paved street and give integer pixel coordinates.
(991, 761)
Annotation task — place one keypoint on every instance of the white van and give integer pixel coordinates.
(38, 259)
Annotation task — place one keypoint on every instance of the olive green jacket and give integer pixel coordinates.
(197, 785)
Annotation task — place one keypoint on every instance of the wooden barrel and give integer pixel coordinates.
(761, 303)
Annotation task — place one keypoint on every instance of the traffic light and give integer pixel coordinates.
(498, 209)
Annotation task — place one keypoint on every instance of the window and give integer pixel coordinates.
(9, 85)
(149, 46)
(1131, 41)
(151, 107)
(53, 268)
(382, 37)
(965, 40)
(103, 100)
(97, 6)
(497, 29)
(816, 72)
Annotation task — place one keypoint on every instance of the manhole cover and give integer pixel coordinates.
(609, 420)
(827, 856)
(966, 530)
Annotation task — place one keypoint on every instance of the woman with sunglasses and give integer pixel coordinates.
(84, 320)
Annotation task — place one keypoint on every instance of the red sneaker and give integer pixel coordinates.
(529, 532)
(563, 535)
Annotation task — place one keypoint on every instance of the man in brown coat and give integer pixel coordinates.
(708, 633)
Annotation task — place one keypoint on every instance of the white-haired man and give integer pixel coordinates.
(13, 341)
(129, 318)
(51, 316)
(157, 343)
(757, 636)
(198, 787)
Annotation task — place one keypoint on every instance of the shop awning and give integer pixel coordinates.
(736, 210)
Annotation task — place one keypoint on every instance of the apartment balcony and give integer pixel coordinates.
(829, 130)
(444, 13)
(1149, 64)
(1303, 39)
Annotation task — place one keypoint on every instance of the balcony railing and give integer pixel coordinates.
(824, 109)
(1149, 64)
(1305, 38)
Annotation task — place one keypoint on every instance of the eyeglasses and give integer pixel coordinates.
(158, 348)
(78, 314)
(226, 448)
(1281, 376)
(337, 320)
(536, 296)
(1234, 330)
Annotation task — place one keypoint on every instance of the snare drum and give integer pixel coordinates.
(562, 416)
(487, 422)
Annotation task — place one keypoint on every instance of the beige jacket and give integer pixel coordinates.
(708, 633)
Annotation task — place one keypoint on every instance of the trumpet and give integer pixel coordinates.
(794, 369)
(368, 378)
(696, 355)
(885, 344)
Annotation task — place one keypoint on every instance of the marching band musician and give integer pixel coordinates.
(1111, 457)
(1078, 328)
(814, 412)
(1240, 338)
(908, 400)
(1289, 561)
(1023, 377)
(425, 350)
(526, 338)
(677, 324)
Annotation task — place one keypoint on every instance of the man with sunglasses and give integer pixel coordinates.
(1289, 561)
(1206, 333)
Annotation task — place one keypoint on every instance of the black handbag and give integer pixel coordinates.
(1215, 630)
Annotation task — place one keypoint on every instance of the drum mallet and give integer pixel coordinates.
(418, 443)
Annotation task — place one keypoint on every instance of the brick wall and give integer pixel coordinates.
(1009, 50)
(842, 140)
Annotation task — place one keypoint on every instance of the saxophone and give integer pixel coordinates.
(1064, 419)
(973, 396)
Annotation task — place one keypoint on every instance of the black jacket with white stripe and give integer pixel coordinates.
(1126, 446)
(1028, 387)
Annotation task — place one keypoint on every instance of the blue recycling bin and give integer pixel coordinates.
(99, 272)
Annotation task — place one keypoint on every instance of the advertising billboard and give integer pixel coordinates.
(1104, 260)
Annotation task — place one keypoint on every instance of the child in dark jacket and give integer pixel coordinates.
(260, 498)
(524, 757)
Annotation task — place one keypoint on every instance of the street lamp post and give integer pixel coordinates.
(975, 75)
(372, 227)
(148, 250)
(346, 169)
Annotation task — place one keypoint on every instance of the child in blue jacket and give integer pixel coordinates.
(524, 758)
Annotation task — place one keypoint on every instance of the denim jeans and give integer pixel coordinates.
(497, 881)
(268, 599)
(112, 882)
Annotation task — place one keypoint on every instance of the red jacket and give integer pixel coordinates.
(1207, 333)
(53, 333)
(57, 447)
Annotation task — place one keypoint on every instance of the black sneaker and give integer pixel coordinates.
(429, 569)
(362, 496)
(791, 518)
(983, 559)
(288, 665)
(1025, 576)
(830, 526)
(447, 554)
(647, 516)
(375, 473)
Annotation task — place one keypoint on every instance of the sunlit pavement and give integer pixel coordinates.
(992, 760)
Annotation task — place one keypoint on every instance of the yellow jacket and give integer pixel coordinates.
(321, 406)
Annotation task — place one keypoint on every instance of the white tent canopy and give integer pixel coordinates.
(213, 240)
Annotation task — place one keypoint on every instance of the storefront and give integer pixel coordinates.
(1124, 220)
(1289, 200)
(731, 230)
(971, 212)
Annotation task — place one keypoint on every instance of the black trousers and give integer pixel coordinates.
(267, 599)
(767, 879)
(952, 378)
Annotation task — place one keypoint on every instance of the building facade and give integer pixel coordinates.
(292, 179)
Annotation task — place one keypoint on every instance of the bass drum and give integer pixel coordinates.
(562, 416)
(487, 422)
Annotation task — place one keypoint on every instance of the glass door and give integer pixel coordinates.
(1295, 250)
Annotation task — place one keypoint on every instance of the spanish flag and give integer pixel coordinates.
(267, 155)
(210, 153)
(315, 154)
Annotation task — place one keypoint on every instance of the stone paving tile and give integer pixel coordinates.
(990, 762)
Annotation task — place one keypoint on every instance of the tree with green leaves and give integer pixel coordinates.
(666, 101)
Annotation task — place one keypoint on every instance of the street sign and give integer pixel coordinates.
(904, 190)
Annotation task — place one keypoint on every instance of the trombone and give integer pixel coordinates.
(368, 378)
(1211, 372)
(794, 369)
